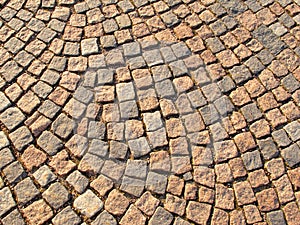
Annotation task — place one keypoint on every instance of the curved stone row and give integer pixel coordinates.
(149, 112)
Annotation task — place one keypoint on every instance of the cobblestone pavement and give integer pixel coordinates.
(149, 112)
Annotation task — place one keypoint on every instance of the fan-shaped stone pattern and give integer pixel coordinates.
(173, 112)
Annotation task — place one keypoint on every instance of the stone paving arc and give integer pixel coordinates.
(149, 112)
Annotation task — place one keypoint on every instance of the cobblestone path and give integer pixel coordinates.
(150, 112)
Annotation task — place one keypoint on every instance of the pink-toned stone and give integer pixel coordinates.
(116, 203)
(147, 203)
(198, 212)
(102, 185)
(33, 158)
(38, 212)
